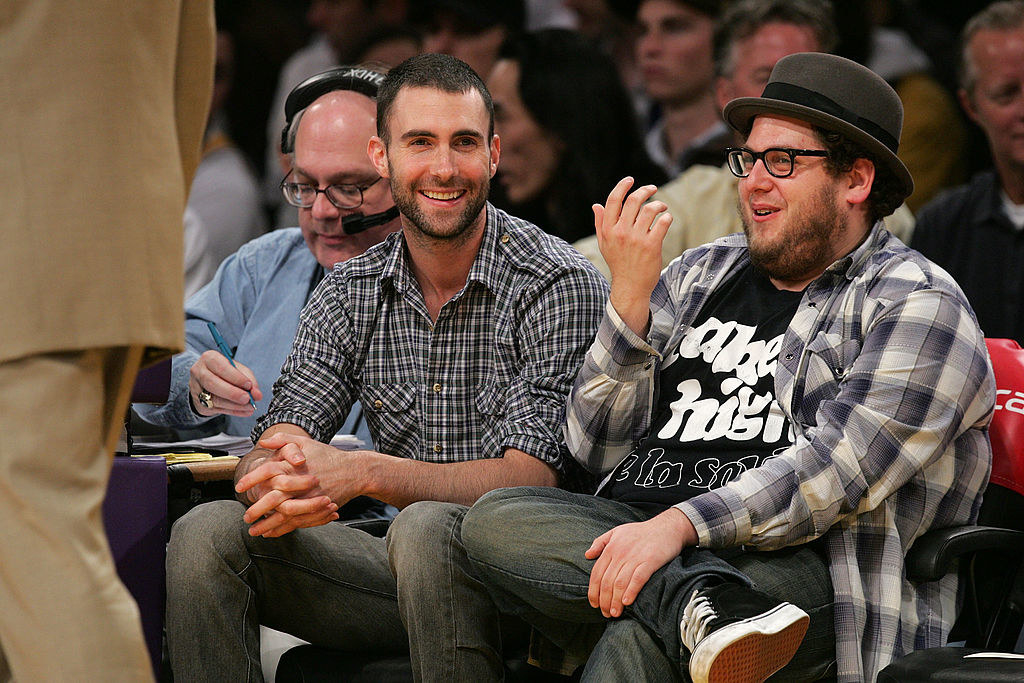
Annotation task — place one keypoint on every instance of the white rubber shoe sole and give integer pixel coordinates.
(751, 650)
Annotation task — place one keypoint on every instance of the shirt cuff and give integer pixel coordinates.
(719, 517)
(619, 352)
(537, 447)
(301, 420)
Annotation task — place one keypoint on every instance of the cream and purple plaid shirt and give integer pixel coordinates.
(884, 375)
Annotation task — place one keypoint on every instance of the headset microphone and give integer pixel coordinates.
(355, 223)
(359, 79)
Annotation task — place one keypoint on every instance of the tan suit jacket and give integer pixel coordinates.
(95, 174)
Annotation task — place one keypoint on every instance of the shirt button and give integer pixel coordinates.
(812, 304)
(789, 356)
(438, 448)
(648, 364)
(378, 404)
(437, 388)
(504, 238)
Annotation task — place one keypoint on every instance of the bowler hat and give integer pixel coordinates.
(836, 94)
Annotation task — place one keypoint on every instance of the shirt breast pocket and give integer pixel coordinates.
(388, 406)
(829, 359)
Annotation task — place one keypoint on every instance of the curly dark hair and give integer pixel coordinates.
(886, 191)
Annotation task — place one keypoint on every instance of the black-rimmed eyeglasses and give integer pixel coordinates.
(777, 160)
(343, 196)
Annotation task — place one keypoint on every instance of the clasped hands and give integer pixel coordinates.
(287, 485)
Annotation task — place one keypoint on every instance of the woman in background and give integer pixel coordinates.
(568, 131)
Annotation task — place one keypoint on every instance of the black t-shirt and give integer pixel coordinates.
(716, 415)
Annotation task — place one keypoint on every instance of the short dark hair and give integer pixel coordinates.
(886, 191)
(744, 18)
(441, 72)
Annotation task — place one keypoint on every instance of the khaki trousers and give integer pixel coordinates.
(64, 614)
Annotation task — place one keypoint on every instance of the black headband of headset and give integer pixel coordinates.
(358, 79)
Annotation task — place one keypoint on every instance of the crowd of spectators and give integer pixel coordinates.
(661, 51)
(586, 92)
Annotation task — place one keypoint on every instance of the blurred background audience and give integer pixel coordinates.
(933, 144)
(673, 54)
(225, 193)
(472, 30)
(568, 131)
(662, 58)
(976, 231)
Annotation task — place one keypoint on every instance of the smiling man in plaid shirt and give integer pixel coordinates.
(779, 415)
(460, 335)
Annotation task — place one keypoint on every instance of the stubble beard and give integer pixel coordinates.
(806, 247)
(457, 232)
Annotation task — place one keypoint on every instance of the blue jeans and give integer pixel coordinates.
(526, 545)
(329, 585)
(453, 625)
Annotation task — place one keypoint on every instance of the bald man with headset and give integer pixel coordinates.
(256, 296)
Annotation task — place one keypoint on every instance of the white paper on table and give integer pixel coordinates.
(238, 445)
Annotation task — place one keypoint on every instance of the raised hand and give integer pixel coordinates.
(630, 231)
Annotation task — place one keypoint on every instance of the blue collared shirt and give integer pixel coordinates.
(255, 299)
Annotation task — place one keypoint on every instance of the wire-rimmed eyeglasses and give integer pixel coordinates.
(342, 195)
(777, 160)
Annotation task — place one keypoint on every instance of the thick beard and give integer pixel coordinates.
(807, 246)
(405, 200)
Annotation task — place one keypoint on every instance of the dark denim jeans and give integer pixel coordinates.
(526, 545)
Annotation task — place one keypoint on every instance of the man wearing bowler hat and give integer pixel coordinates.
(778, 416)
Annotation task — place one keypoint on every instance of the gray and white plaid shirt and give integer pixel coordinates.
(884, 375)
(491, 373)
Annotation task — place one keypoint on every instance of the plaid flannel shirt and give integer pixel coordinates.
(492, 372)
(884, 375)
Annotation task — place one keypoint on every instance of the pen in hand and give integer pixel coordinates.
(222, 345)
